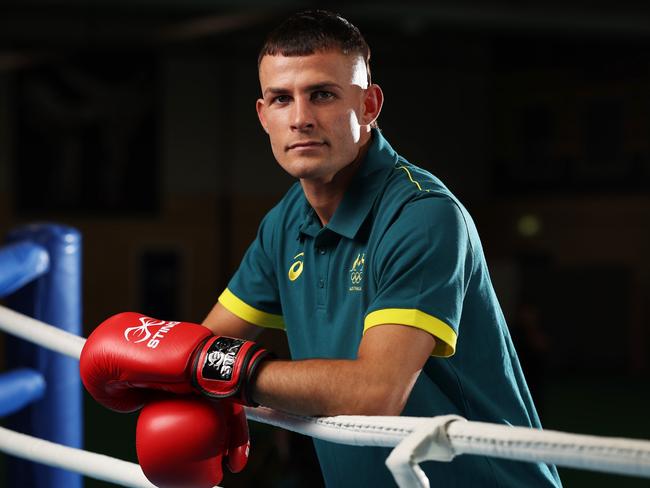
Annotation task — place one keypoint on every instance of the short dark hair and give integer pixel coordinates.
(313, 31)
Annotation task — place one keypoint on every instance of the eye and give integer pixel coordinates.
(322, 95)
(281, 99)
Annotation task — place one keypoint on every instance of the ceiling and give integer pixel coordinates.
(39, 29)
(36, 24)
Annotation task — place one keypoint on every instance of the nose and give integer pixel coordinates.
(303, 116)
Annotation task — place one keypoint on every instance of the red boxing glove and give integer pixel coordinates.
(182, 441)
(129, 353)
(238, 441)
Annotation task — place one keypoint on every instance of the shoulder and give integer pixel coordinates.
(415, 181)
(428, 221)
(415, 191)
(415, 201)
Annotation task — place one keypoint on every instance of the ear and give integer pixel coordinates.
(259, 106)
(372, 103)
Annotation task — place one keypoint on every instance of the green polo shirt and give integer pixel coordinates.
(400, 249)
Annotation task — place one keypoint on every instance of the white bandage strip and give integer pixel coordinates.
(428, 442)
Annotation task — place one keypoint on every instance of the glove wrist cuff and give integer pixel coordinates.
(223, 366)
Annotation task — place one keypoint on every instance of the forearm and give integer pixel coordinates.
(222, 321)
(326, 387)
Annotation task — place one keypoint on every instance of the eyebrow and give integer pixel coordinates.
(315, 87)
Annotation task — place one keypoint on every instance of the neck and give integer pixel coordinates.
(325, 197)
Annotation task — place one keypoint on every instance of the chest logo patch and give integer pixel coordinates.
(296, 268)
(356, 272)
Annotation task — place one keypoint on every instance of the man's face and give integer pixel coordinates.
(316, 111)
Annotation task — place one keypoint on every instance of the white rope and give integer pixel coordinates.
(40, 333)
(96, 466)
(615, 455)
(606, 454)
(344, 429)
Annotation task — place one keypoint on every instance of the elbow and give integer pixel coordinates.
(381, 400)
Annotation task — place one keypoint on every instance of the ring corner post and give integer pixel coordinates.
(55, 298)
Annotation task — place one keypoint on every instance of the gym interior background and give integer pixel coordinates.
(134, 122)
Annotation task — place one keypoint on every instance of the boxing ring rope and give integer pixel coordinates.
(37, 332)
(415, 439)
(94, 465)
(606, 454)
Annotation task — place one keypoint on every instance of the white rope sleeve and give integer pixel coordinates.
(606, 454)
(96, 466)
(344, 429)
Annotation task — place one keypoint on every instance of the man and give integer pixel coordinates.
(371, 266)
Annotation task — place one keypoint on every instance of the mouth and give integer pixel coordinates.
(305, 145)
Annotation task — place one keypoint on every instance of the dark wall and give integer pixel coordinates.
(139, 128)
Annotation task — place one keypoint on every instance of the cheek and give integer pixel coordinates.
(277, 148)
(349, 128)
(274, 135)
(355, 127)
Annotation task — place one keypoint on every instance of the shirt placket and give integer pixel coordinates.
(322, 257)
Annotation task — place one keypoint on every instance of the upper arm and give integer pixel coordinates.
(393, 356)
(222, 321)
(423, 265)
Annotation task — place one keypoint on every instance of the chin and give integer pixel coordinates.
(303, 169)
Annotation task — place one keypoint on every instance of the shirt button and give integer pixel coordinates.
(321, 283)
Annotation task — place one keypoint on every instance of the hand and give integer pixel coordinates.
(183, 440)
(130, 354)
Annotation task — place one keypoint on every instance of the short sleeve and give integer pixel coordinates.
(422, 267)
(252, 293)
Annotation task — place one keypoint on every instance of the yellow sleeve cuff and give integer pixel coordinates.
(250, 314)
(444, 334)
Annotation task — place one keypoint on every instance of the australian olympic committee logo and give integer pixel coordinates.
(141, 333)
(356, 272)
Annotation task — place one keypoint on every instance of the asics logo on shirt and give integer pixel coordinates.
(296, 268)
